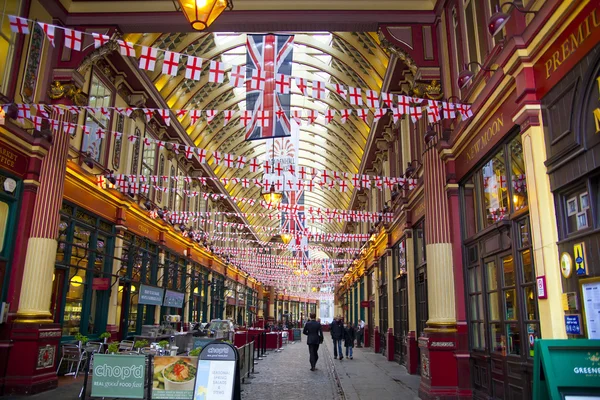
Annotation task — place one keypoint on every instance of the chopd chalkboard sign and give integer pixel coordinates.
(217, 376)
(173, 299)
(151, 295)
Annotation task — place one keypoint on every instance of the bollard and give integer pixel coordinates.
(264, 344)
(391, 345)
(376, 339)
(367, 337)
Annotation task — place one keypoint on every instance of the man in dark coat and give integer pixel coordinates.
(337, 334)
(314, 334)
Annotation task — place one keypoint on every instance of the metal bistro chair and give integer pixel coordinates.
(125, 346)
(284, 338)
(72, 354)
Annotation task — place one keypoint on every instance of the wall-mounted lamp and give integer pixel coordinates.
(410, 168)
(499, 18)
(466, 75)
(429, 134)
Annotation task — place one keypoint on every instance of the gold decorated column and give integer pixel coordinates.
(440, 272)
(542, 214)
(36, 291)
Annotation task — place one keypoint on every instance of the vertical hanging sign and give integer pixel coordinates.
(268, 57)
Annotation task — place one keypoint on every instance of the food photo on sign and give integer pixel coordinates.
(174, 377)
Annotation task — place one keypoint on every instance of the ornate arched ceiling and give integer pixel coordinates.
(352, 59)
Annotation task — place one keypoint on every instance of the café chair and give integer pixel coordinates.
(72, 355)
(125, 346)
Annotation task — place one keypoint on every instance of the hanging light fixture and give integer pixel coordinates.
(272, 196)
(286, 238)
(202, 13)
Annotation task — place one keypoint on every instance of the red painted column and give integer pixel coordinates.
(35, 337)
(377, 340)
(439, 370)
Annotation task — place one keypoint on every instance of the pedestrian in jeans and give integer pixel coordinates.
(337, 334)
(349, 336)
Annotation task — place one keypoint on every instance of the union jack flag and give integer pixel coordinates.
(294, 223)
(271, 54)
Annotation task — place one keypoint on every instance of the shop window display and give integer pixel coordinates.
(99, 96)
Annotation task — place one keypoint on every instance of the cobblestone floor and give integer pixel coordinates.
(287, 375)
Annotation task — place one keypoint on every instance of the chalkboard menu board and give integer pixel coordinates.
(173, 299)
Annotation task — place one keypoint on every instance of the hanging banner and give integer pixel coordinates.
(174, 378)
(268, 58)
(150, 295)
(174, 299)
(117, 375)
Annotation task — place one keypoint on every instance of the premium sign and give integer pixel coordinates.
(118, 375)
(582, 34)
(151, 295)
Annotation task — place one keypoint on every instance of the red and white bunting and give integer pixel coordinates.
(297, 116)
(329, 115)
(282, 84)
(193, 68)
(341, 90)
(171, 63)
(41, 111)
(433, 111)
(246, 117)
(448, 110)
(387, 99)
(363, 114)
(262, 118)
(210, 115)
(403, 104)
(372, 99)
(302, 86)
(257, 80)
(48, 30)
(189, 152)
(378, 113)
(195, 115)
(149, 113)
(345, 114)
(100, 39)
(18, 24)
(126, 48)
(227, 116)
(202, 153)
(415, 113)
(216, 72)
(37, 123)
(318, 90)
(237, 76)
(148, 58)
(312, 116)
(355, 96)
(73, 39)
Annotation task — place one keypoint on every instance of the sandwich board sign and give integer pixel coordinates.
(566, 369)
(217, 376)
(118, 375)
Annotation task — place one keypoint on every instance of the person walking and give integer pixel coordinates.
(361, 333)
(337, 334)
(312, 329)
(349, 336)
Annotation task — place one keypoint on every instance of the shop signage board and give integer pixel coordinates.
(117, 375)
(174, 377)
(13, 160)
(173, 299)
(151, 295)
(200, 342)
(101, 283)
(565, 369)
(364, 304)
(580, 266)
(217, 377)
(573, 324)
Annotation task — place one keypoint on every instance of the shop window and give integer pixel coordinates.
(161, 172)
(456, 43)
(172, 193)
(578, 211)
(180, 186)
(495, 189)
(475, 291)
(476, 32)
(7, 43)
(4, 212)
(517, 170)
(100, 96)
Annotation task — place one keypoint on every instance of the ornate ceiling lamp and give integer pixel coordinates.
(202, 13)
(272, 196)
(286, 238)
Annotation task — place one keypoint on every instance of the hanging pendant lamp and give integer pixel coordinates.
(202, 13)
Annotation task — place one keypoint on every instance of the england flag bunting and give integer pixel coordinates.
(100, 39)
(387, 99)
(378, 113)
(195, 115)
(345, 114)
(237, 76)
(18, 24)
(166, 116)
(433, 111)
(329, 115)
(216, 72)
(355, 96)
(448, 110)
(126, 48)
(363, 114)
(341, 90)
(297, 116)
(148, 58)
(48, 30)
(210, 115)
(302, 86)
(193, 68)
(227, 116)
(73, 39)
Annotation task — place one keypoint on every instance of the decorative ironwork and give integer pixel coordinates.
(59, 90)
(116, 161)
(32, 65)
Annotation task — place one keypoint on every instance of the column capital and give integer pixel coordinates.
(527, 116)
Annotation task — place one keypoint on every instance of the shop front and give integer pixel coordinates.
(83, 272)
(498, 265)
(382, 278)
(198, 306)
(571, 119)
(400, 291)
(420, 281)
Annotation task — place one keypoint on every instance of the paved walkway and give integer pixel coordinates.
(370, 376)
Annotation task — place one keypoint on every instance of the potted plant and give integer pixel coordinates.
(140, 344)
(113, 348)
(82, 340)
(195, 352)
(105, 336)
(163, 344)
